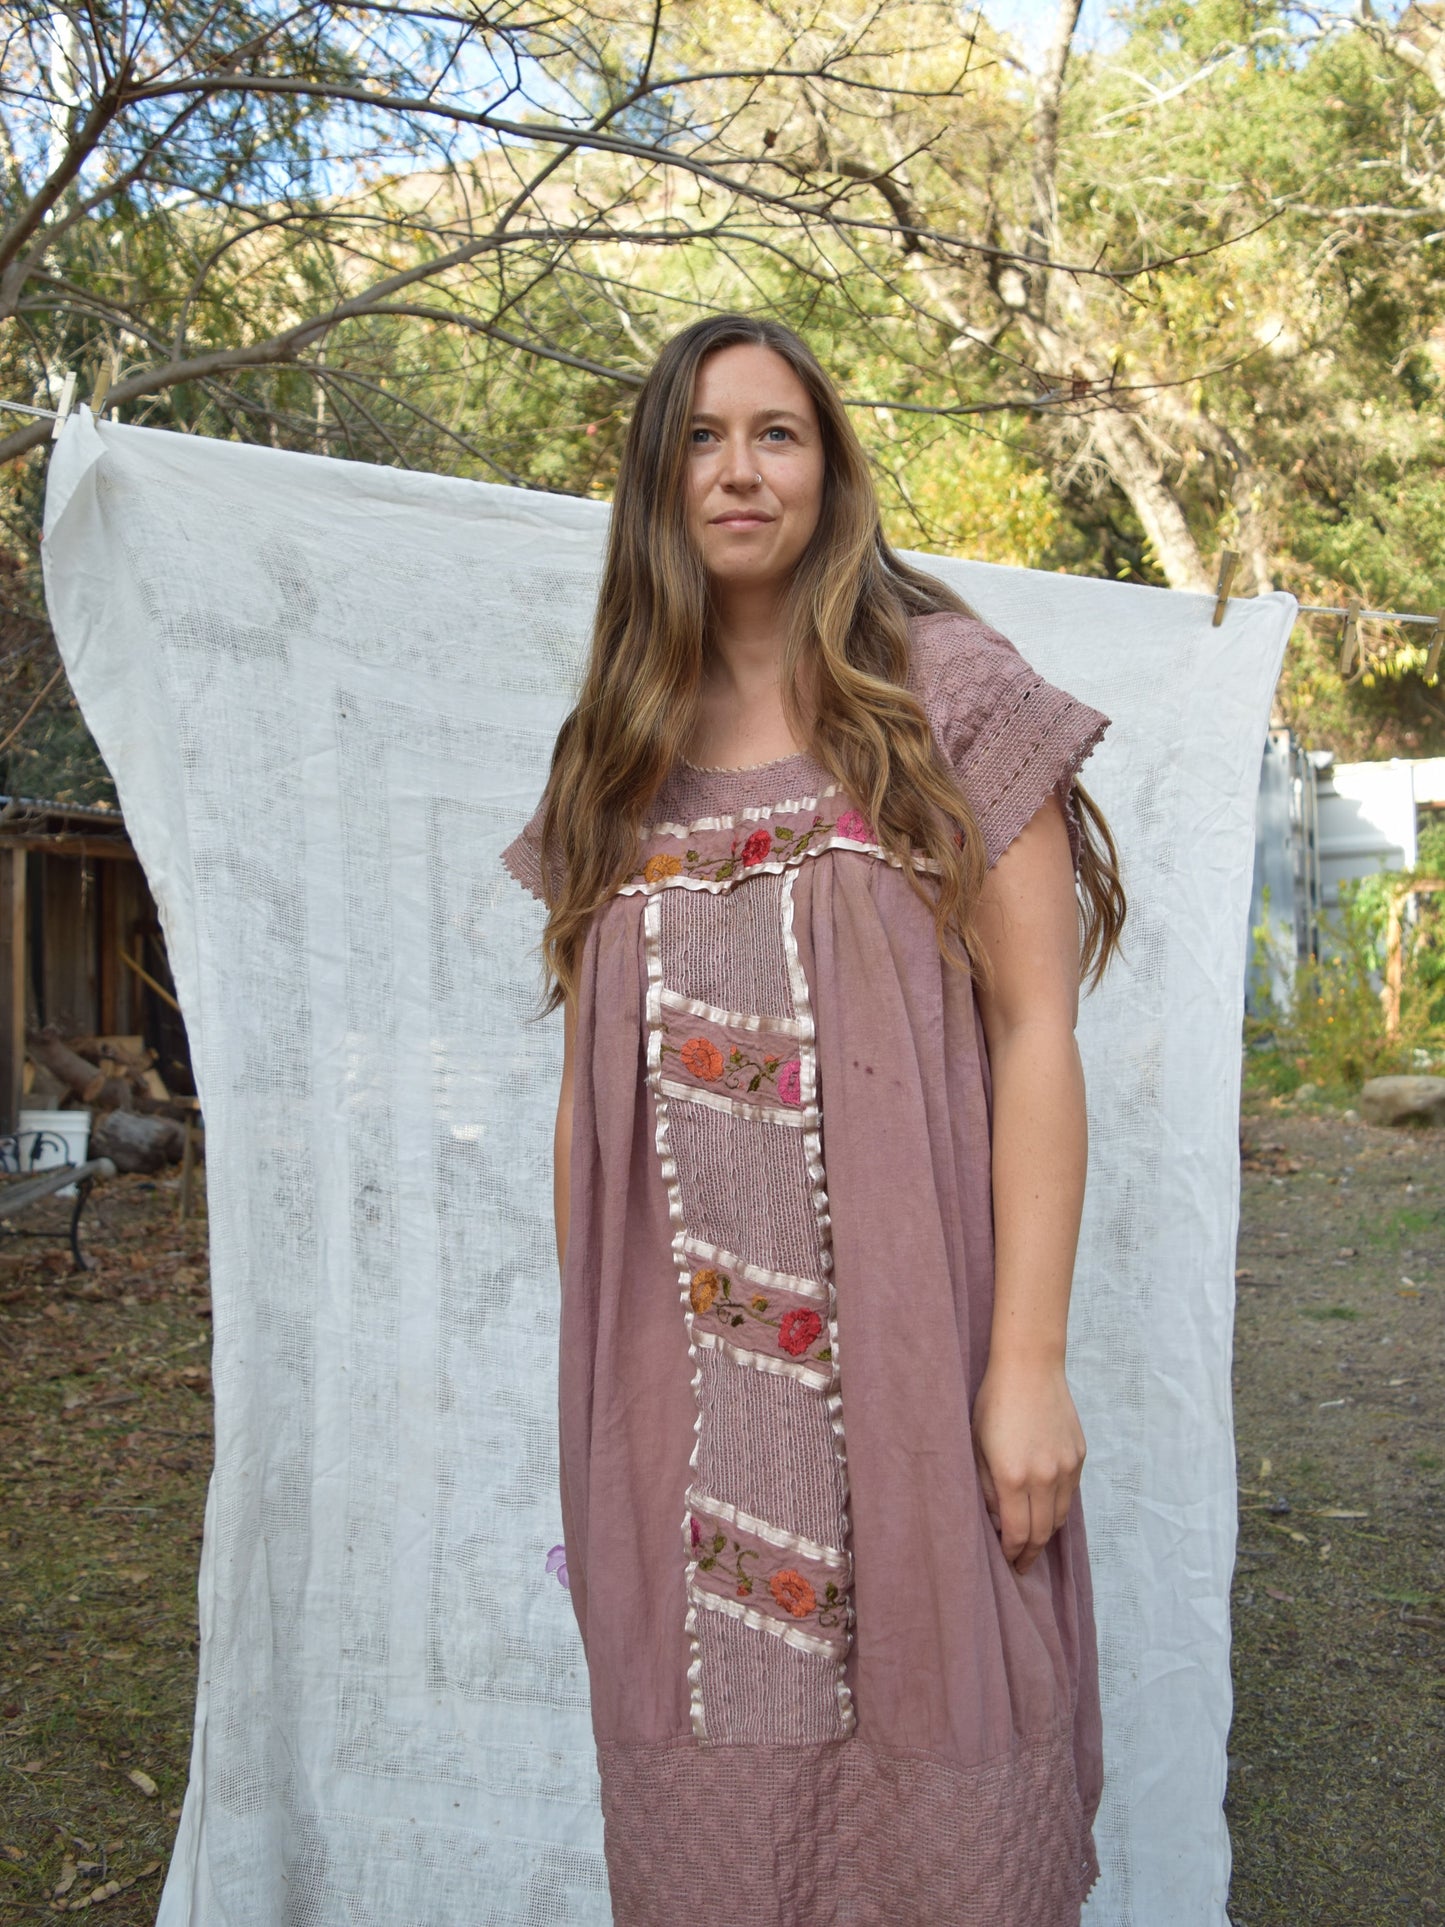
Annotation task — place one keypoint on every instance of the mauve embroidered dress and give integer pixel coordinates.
(821, 1697)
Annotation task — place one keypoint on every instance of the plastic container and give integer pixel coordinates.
(48, 1138)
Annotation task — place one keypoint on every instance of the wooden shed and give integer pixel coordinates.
(80, 942)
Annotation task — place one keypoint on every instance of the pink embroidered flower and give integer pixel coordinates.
(703, 1290)
(793, 1593)
(790, 1083)
(757, 847)
(854, 824)
(745, 1586)
(695, 1530)
(557, 1562)
(660, 866)
(798, 1330)
(703, 1058)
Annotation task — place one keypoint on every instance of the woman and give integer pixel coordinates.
(809, 845)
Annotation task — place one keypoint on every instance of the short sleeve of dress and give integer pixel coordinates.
(522, 857)
(1012, 739)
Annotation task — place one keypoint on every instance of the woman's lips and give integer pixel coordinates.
(741, 521)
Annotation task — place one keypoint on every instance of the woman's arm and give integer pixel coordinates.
(562, 1135)
(1027, 1438)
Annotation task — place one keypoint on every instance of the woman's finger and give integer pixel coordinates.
(990, 1491)
(1016, 1517)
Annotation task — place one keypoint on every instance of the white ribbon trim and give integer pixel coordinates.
(793, 1542)
(818, 1376)
(759, 1275)
(816, 1643)
(729, 1019)
(753, 1110)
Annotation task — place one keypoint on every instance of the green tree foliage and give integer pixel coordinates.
(1106, 309)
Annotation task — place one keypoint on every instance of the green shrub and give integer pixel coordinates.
(1332, 1035)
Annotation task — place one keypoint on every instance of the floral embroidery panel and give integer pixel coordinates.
(761, 1592)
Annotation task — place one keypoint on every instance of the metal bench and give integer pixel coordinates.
(21, 1193)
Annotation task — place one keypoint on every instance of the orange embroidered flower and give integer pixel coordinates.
(702, 1058)
(658, 867)
(793, 1593)
(703, 1290)
(760, 1303)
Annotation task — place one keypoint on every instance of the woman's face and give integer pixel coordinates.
(755, 467)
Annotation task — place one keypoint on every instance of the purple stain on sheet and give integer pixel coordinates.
(557, 1562)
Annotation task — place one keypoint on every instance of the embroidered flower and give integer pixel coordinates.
(760, 1303)
(854, 824)
(798, 1330)
(702, 1058)
(658, 867)
(695, 1531)
(790, 1082)
(745, 1586)
(557, 1562)
(792, 1592)
(703, 1290)
(757, 847)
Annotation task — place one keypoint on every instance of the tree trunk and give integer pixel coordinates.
(1136, 468)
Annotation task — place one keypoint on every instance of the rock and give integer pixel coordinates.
(1403, 1100)
(1307, 1093)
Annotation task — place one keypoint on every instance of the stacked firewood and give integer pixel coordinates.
(135, 1121)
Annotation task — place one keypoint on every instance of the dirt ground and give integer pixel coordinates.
(1337, 1781)
(1337, 1757)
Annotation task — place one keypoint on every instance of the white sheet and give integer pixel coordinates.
(327, 693)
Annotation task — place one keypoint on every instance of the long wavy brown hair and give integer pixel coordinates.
(849, 601)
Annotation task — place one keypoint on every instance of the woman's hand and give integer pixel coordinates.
(1029, 1446)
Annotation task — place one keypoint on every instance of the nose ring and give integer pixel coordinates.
(759, 480)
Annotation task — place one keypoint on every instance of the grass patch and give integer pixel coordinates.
(1323, 1312)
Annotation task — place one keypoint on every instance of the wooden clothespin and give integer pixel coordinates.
(1228, 563)
(67, 400)
(1350, 640)
(1432, 644)
(106, 370)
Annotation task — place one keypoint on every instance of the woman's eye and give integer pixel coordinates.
(776, 429)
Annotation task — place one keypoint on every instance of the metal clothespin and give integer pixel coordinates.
(67, 401)
(1349, 640)
(1433, 642)
(1228, 563)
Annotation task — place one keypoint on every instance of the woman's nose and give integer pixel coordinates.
(739, 470)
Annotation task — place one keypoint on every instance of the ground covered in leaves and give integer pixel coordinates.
(1337, 1776)
(105, 1448)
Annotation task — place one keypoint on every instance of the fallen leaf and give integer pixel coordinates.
(1334, 1512)
(1265, 1468)
(144, 1781)
(1284, 1598)
(69, 1874)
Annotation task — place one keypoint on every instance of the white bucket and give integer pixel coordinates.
(48, 1138)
